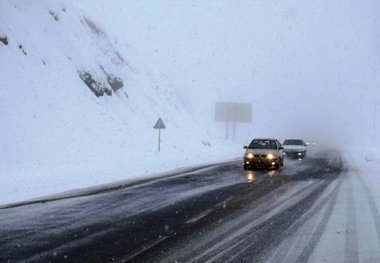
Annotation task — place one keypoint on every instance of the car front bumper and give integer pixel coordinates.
(260, 162)
(295, 154)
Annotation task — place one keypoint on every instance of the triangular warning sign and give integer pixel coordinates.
(159, 124)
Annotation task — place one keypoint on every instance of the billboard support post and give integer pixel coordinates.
(232, 113)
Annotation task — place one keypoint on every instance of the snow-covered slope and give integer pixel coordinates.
(77, 108)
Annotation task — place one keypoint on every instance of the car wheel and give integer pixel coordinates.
(245, 167)
(282, 161)
(277, 166)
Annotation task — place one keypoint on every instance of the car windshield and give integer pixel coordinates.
(263, 144)
(294, 142)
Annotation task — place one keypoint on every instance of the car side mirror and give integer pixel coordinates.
(281, 148)
(245, 147)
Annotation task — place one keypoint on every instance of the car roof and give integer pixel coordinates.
(265, 139)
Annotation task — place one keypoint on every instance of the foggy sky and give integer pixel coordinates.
(310, 68)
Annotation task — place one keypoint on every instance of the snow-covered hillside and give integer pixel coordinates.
(77, 108)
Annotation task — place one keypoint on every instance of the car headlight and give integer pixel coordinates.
(270, 156)
(249, 156)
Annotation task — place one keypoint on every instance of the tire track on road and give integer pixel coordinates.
(309, 248)
(297, 240)
(229, 239)
(259, 239)
(351, 243)
(256, 246)
(372, 205)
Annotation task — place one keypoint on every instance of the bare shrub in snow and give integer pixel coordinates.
(120, 57)
(115, 82)
(93, 27)
(205, 143)
(22, 49)
(4, 40)
(54, 15)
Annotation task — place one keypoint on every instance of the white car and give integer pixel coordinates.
(263, 153)
(295, 148)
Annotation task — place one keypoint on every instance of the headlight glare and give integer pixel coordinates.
(270, 156)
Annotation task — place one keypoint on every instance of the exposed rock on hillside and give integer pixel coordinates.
(97, 87)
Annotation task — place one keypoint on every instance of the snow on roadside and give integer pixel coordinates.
(367, 163)
(56, 135)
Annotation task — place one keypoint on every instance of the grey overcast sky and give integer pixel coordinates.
(310, 68)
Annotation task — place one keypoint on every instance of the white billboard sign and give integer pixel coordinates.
(233, 112)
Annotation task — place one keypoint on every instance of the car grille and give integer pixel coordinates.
(292, 150)
(260, 155)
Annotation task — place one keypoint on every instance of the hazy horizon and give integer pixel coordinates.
(305, 76)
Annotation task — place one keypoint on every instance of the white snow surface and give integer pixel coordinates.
(56, 135)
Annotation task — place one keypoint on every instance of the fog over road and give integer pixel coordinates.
(221, 213)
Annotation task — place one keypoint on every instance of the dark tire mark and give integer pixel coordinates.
(260, 239)
(309, 248)
(372, 204)
(264, 238)
(222, 236)
(286, 247)
(247, 194)
(351, 242)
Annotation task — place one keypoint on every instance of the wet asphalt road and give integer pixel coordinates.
(214, 214)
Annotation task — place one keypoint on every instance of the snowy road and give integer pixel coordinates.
(308, 211)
